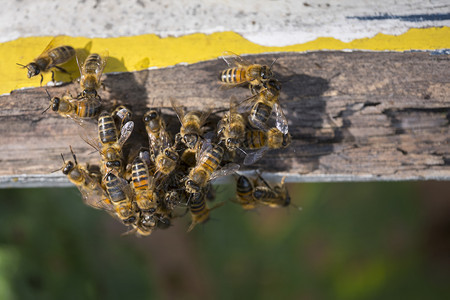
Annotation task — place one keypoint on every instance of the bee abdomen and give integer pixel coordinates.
(233, 75)
(87, 109)
(61, 54)
(197, 205)
(261, 112)
(107, 129)
(92, 64)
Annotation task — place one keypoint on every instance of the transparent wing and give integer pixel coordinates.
(253, 157)
(281, 121)
(125, 132)
(54, 43)
(97, 199)
(225, 170)
(246, 104)
(104, 55)
(234, 60)
(206, 146)
(85, 133)
(178, 110)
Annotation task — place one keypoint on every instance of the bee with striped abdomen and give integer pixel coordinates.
(262, 141)
(231, 128)
(262, 105)
(276, 196)
(77, 110)
(241, 71)
(122, 197)
(244, 193)
(142, 184)
(53, 55)
(207, 167)
(91, 71)
(191, 124)
(199, 209)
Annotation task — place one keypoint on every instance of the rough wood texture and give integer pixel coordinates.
(353, 116)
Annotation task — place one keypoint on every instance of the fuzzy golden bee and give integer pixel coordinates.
(241, 71)
(53, 55)
(91, 71)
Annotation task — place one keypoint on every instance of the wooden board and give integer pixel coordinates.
(353, 116)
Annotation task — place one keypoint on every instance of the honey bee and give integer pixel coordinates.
(276, 196)
(263, 104)
(207, 167)
(241, 71)
(263, 141)
(54, 54)
(199, 209)
(109, 143)
(156, 129)
(191, 124)
(87, 183)
(166, 161)
(231, 128)
(91, 72)
(77, 110)
(142, 184)
(244, 193)
(122, 198)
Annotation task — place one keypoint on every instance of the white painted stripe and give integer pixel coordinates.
(271, 23)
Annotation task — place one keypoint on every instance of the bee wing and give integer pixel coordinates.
(84, 133)
(54, 43)
(103, 59)
(253, 157)
(125, 132)
(97, 198)
(234, 60)
(80, 57)
(206, 145)
(204, 116)
(280, 119)
(178, 110)
(225, 170)
(246, 104)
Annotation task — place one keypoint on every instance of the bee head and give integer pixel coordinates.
(33, 70)
(55, 103)
(287, 201)
(192, 186)
(129, 221)
(150, 116)
(232, 143)
(190, 140)
(171, 154)
(68, 167)
(113, 164)
(266, 72)
(89, 93)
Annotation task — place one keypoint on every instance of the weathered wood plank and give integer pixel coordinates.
(353, 116)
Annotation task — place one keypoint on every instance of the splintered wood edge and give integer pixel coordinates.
(358, 116)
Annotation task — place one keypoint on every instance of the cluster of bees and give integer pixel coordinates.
(172, 174)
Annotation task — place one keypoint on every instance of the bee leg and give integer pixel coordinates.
(42, 79)
(264, 181)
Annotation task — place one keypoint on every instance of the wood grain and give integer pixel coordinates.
(353, 116)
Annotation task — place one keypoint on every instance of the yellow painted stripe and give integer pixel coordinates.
(144, 51)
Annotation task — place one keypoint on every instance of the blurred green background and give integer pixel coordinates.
(349, 241)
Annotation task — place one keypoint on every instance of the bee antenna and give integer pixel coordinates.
(63, 158)
(73, 155)
(22, 65)
(43, 112)
(273, 62)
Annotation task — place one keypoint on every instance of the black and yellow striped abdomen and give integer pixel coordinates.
(233, 75)
(255, 139)
(260, 113)
(107, 131)
(60, 55)
(87, 108)
(139, 175)
(244, 190)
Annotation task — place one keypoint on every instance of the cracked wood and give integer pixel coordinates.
(352, 116)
